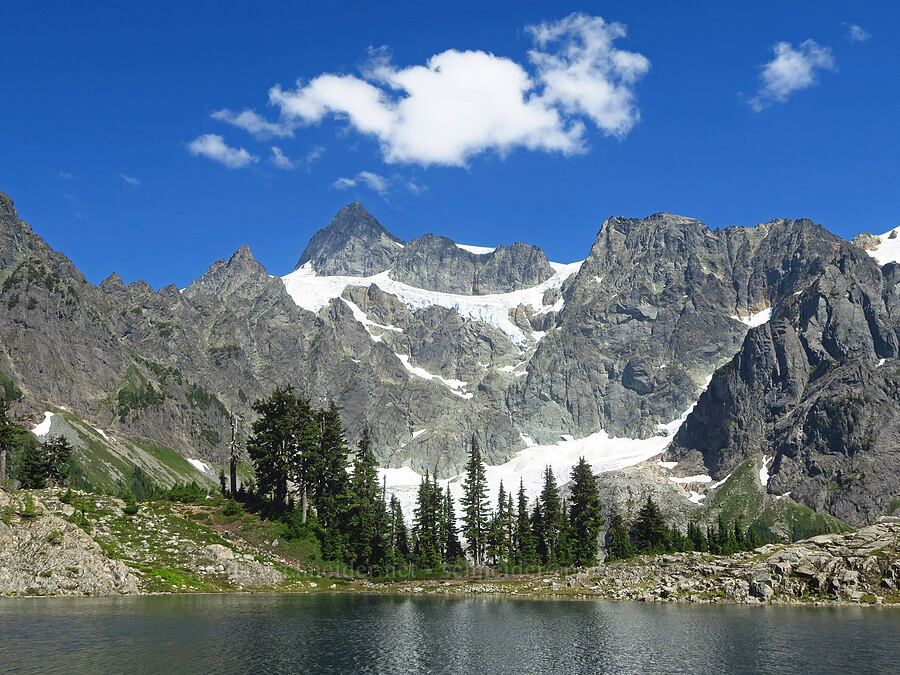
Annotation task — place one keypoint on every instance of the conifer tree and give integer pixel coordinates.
(397, 536)
(57, 452)
(584, 515)
(563, 554)
(367, 515)
(453, 550)
(332, 484)
(32, 469)
(510, 533)
(427, 524)
(697, 537)
(524, 544)
(548, 520)
(650, 530)
(272, 447)
(11, 435)
(619, 541)
(498, 539)
(474, 503)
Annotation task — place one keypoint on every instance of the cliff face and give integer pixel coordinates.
(818, 388)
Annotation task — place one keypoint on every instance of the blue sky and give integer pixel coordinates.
(115, 122)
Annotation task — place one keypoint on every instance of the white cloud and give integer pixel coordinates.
(415, 188)
(214, 147)
(791, 70)
(314, 153)
(373, 181)
(65, 175)
(280, 160)
(130, 180)
(857, 33)
(343, 184)
(250, 121)
(463, 103)
(587, 75)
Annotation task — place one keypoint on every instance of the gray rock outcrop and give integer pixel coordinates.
(43, 554)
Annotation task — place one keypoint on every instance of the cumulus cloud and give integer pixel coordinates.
(373, 181)
(857, 33)
(587, 75)
(130, 180)
(791, 70)
(280, 160)
(463, 103)
(214, 147)
(252, 122)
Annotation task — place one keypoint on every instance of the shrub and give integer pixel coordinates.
(233, 509)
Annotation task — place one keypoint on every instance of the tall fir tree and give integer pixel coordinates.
(618, 540)
(474, 503)
(524, 538)
(650, 530)
(273, 445)
(453, 550)
(551, 520)
(428, 546)
(584, 515)
(332, 484)
(367, 522)
(11, 435)
(398, 538)
(498, 537)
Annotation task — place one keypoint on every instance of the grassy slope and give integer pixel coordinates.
(742, 496)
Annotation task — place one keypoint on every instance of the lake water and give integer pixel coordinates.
(331, 633)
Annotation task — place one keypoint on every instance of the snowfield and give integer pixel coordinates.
(312, 292)
(601, 451)
(889, 249)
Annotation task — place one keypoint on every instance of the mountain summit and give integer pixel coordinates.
(353, 244)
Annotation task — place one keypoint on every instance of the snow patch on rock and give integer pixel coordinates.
(889, 249)
(43, 428)
(755, 320)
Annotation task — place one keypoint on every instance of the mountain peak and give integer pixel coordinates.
(354, 243)
(224, 277)
(6, 206)
(243, 254)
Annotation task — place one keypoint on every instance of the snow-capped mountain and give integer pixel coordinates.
(428, 342)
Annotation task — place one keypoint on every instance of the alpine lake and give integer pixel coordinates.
(404, 634)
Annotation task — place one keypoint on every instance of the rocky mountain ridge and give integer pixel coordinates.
(427, 343)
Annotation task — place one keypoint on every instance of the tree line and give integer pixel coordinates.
(649, 533)
(295, 445)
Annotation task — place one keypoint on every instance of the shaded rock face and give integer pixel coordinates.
(353, 244)
(650, 315)
(437, 264)
(42, 554)
(818, 387)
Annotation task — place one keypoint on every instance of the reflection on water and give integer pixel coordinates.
(328, 633)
